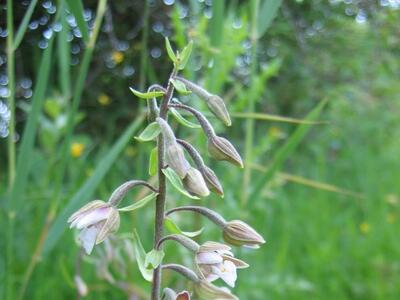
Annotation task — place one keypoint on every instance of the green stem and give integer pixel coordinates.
(161, 197)
(251, 105)
(11, 97)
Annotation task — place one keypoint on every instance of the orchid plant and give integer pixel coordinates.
(99, 220)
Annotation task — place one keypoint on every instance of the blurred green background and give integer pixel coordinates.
(324, 195)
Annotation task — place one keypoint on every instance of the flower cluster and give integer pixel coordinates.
(192, 177)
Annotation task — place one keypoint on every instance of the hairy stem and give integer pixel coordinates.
(160, 201)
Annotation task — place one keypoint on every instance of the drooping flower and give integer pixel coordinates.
(220, 148)
(170, 294)
(215, 260)
(77, 149)
(96, 220)
(238, 233)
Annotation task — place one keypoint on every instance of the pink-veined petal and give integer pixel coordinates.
(209, 258)
(227, 272)
(93, 217)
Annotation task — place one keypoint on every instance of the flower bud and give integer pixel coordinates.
(96, 220)
(170, 294)
(81, 286)
(208, 291)
(218, 108)
(238, 233)
(215, 103)
(220, 148)
(194, 183)
(212, 180)
(175, 158)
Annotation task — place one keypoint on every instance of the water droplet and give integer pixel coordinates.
(51, 10)
(3, 79)
(155, 52)
(237, 23)
(128, 71)
(75, 49)
(57, 27)
(77, 32)
(47, 4)
(48, 33)
(158, 27)
(3, 33)
(207, 12)
(169, 2)
(4, 92)
(28, 94)
(87, 15)
(33, 25)
(43, 20)
(71, 21)
(43, 44)
(26, 83)
(122, 46)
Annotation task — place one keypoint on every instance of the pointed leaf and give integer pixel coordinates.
(149, 133)
(182, 120)
(140, 203)
(173, 228)
(153, 162)
(170, 51)
(140, 255)
(180, 87)
(184, 57)
(147, 95)
(154, 259)
(176, 181)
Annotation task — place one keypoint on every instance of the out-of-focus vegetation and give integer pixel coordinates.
(325, 196)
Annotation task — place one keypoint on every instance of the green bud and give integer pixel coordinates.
(218, 108)
(220, 148)
(212, 180)
(194, 183)
(238, 233)
(175, 158)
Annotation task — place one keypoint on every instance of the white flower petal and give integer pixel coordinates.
(209, 258)
(227, 272)
(211, 277)
(87, 237)
(93, 217)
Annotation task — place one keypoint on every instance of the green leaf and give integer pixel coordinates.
(140, 255)
(24, 24)
(147, 95)
(286, 150)
(182, 120)
(180, 87)
(140, 203)
(175, 180)
(153, 162)
(170, 51)
(149, 133)
(85, 193)
(266, 14)
(154, 259)
(184, 56)
(173, 228)
(76, 8)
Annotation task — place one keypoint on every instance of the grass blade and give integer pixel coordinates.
(86, 191)
(76, 7)
(24, 24)
(275, 118)
(268, 10)
(64, 59)
(286, 150)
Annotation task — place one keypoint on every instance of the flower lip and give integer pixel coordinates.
(215, 260)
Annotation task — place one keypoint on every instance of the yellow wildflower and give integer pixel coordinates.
(365, 228)
(390, 218)
(104, 99)
(117, 56)
(130, 151)
(77, 149)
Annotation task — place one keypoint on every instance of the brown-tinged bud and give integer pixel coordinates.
(220, 148)
(81, 286)
(194, 183)
(215, 103)
(170, 294)
(96, 220)
(175, 158)
(218, 108)
(238, 233)
(212, 180)
(208, 291)
(174, 154)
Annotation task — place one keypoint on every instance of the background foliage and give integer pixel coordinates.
(325, 196)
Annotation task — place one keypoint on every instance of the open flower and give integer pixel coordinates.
(96, 220)
(238, 233)
(215, 260)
